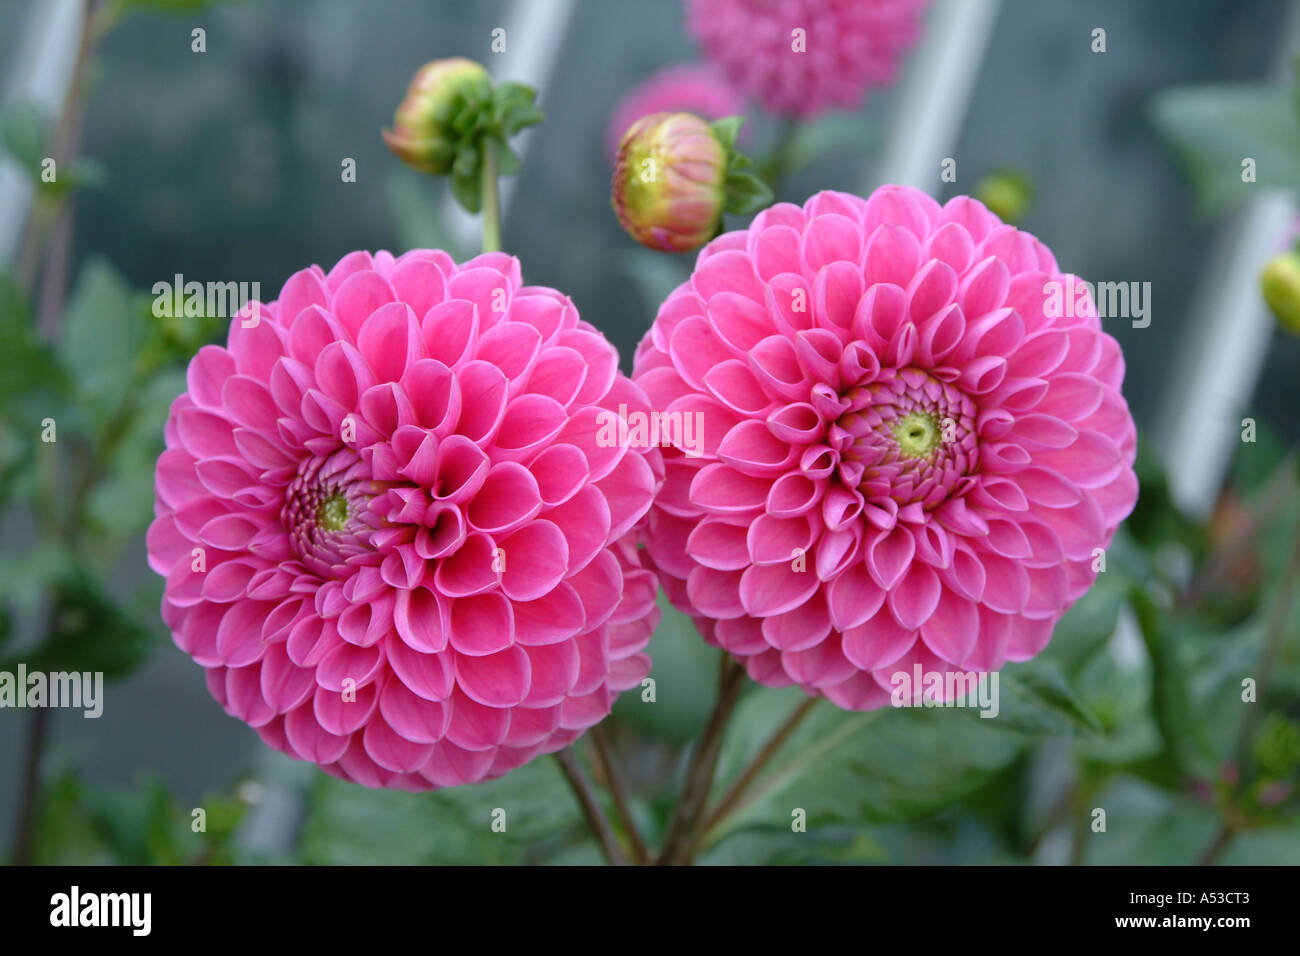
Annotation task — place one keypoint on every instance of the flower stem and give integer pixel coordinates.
(777, 166)
(1277, 491)
(29, 798)
(736, 791)
(1215, 849)
(682, 829)
(590, 806)
(640, 855)
(1273, 645)
(56, 257)
(1243, 756)
(491, 200)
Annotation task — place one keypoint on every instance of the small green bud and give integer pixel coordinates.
(1007, 195)
(1280, 282)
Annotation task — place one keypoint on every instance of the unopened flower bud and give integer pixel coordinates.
(1006, 194)
(1280, 283)
(443, 97)
(670, 181)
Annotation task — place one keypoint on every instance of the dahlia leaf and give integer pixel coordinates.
(1035, 698)
(507, 160)
(102, 331)
(23, 134)
(1088, 624)
(726, 130)
(1216, 128)
(468, 191)
(26, 363)
(90, 632)
(746, 193)
(845, 766)
(349, 825)
(1180, 729)
(514, 109)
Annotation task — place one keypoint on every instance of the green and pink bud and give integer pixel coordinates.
(674, 177)
(424, 132)
(455, 122)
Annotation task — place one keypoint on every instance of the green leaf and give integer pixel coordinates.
(1035, 698)
(350, 825)
(81, 173)
(507, 161)
(468, 191)
(1146, 826)
(102, 332)
(726, 130)
(1179, 727)
(1088, 624)
(26, 364)
(23, 134)
(25, 577)
(746, 193)
(1214, 128)
(514, 109)
(839, 766)
(84, 823)
(120, 504)
(89, 632)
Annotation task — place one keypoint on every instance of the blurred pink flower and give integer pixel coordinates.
(800, 57)
(389, 530)
(684, 88)
(910, 453)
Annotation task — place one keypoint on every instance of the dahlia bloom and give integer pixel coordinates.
(845, 48)
(684, 88)
(910, 454)
(389, 532)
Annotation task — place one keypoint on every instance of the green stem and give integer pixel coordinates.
(736, 791)
(1272, 647)
(687, 816)
(491, 200)
(778, 162)
(590, 806)
(1243, 754)
(613, 783)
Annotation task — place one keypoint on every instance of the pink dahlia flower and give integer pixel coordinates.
(910, 449)
(392, 531)
(845, 47)
(685, 88)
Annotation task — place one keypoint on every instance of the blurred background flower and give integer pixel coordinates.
(799, 57)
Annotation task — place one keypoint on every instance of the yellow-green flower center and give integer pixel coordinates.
(332, 513)
(917, 434)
